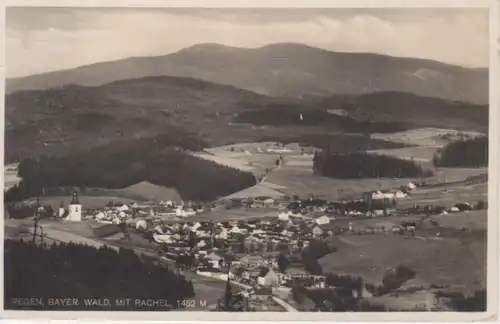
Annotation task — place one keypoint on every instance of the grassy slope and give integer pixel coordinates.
(457, 262)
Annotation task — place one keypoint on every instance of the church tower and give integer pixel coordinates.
(75, 209)
(61, 210)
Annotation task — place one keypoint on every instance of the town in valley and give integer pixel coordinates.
(280, 177)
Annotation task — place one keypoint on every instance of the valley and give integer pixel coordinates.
(241, 146)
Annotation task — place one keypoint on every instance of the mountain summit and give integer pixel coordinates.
(284, 69)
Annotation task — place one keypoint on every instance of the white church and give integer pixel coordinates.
(74, 212)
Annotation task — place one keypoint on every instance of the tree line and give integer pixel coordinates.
(364, 165)
(125, 163)
(70, 270)
(471, 152)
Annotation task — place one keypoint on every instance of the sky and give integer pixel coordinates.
(48, 39)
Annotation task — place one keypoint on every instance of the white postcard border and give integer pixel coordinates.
(264, 317)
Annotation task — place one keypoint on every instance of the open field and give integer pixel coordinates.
(422, 300)
(251, 157)
(256, 147)
(456, 174)
(141, 191)
(366, 222)
(295, 177)
(298, 179)
(474, 220)
(76, 232)
(450, 262)
(446, 196)
(10, 178)
(236, 160)
(421, 136)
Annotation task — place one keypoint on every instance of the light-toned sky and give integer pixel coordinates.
(48, 39)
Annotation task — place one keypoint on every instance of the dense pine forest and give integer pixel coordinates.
(364, 165)
(77, 271)
(286, 115)
(122, 164)
(464, 153)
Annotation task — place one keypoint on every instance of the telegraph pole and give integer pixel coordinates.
(35, 225)
(228, 293)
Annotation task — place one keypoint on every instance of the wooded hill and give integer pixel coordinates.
(124, 163)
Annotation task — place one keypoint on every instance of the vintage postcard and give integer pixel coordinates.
(197, 161)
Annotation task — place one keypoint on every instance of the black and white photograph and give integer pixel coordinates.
(270, 160)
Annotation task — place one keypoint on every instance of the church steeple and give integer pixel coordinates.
(75, 209)
(75, 201)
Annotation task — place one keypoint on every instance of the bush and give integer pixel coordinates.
(394, 279)
(318, 249)
(283, 262)
(345, 281)
(311, 264)
(481, 204)
(21, 211)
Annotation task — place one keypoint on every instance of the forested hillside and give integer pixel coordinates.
(77, 271)
(125, 163)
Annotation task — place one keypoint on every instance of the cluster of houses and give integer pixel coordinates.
(238, 236)
(256, 271)
(207, 247)
(390, 195)
(118, 213)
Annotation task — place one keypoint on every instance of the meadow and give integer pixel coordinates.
(421, 136)
(446, 195)
(454, 262)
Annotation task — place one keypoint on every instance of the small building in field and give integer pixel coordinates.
(323, 220)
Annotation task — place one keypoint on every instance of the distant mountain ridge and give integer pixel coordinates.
(284, 70)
